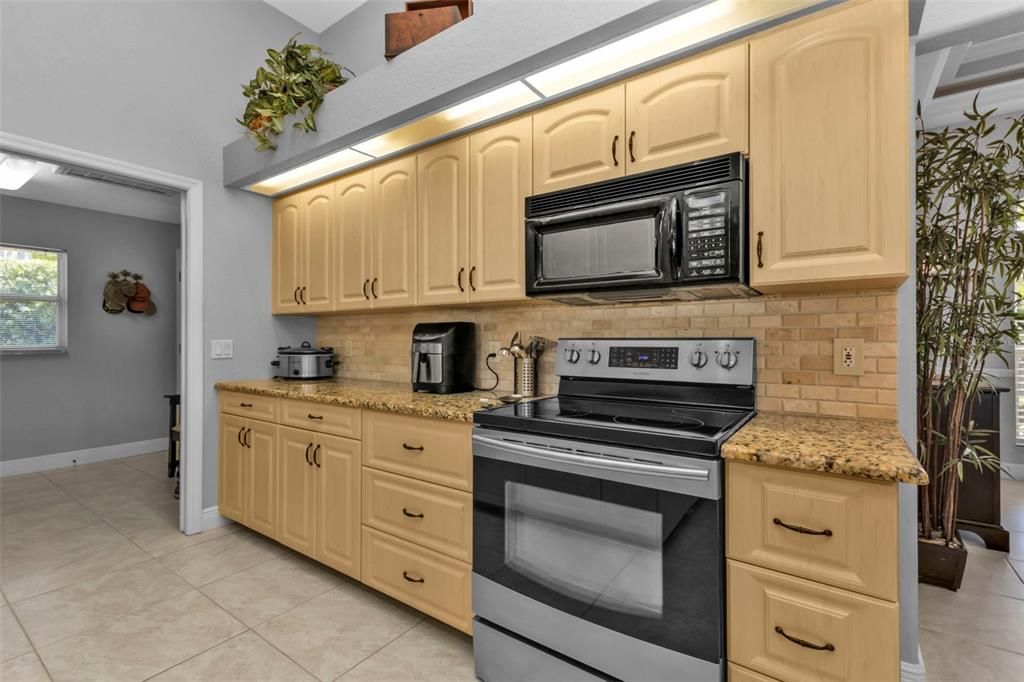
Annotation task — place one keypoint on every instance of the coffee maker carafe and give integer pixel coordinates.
(443, 357)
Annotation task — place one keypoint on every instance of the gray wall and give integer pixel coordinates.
(357, 39)
(157, 84)
(108, 388)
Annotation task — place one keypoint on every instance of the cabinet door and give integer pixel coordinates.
(500, 179)
(287, 256)
(394, 238)
(829, 150)
(580, 141)
(317, 255)
(296, 489)
(337, 464)
(231, 468)
(442, 198)
(353, 230)
(688, 111)
(261, 477)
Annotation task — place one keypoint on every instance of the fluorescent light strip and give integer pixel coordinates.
(309, 172)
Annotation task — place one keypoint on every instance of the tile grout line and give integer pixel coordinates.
(284, 653)
(973, 641)
(394, 639)
(198, 654)
(32, 644)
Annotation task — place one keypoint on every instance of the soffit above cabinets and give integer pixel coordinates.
(507, 58)
(317, 15)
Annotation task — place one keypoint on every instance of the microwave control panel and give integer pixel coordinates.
(706, 234)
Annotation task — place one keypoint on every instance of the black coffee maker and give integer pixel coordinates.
(443, 357)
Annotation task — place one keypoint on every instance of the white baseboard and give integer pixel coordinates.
(913, 672)
(1015, 470)
(211, 519)
(29, 465)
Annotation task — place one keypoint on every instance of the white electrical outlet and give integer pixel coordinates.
(848, 356)
(221, 349)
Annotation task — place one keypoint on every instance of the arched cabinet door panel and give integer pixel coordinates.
(394, 235)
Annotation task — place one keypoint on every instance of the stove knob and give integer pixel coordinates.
(698, 358)
(572, 356)
(595, 356)
(727, 359)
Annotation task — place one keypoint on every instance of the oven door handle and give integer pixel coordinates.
(526, 452)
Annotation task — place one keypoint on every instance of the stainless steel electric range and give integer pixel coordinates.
(598, 522)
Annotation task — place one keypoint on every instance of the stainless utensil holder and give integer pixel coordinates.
(525, 383)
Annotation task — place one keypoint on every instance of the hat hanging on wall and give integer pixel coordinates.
(125, 290)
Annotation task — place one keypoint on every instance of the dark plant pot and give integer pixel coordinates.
(940, 565)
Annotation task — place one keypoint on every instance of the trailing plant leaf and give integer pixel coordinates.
(295, 79)
(970, 257)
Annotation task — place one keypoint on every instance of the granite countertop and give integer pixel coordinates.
(851, 447)
(371, 395)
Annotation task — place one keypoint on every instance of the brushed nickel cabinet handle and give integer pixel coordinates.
(632, 135)
(804, 643)
(418, 448)
(307, 454)
(615, 147)
(405, 575)
(801, 529)
(412, 515)
(472, 284)
(760, 249)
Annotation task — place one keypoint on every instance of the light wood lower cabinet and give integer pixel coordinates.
(737, 673)
(297, 490)
(248, 456)
(432, 450)
(231, 468)
(432, 582)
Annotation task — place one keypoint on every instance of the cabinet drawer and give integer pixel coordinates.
(427, 514)
(431, 582)
(771, 514)
(314, 416)
(738, 673)
(769, 610)
(429, 449)
(249, 405)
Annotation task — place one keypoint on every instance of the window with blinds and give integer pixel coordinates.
(1018, 390)
(33, 299)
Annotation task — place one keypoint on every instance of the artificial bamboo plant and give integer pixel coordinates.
(970, 257)
(296, 77)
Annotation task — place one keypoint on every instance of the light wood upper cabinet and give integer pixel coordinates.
(353, 241)
(394, 238)
(443, 223)
(500, 179)
(580, 141)
(338, 495)
(231, 483)
(830, 150)
(316, 256)
(287, 245)
(296, 478)
(687, 111)
(261, 477)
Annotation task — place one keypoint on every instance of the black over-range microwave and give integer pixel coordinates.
(676, 233)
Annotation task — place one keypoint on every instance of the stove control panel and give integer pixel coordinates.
(728, 361)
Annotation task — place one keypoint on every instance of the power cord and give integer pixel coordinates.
(491, 356)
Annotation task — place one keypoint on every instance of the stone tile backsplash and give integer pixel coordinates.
(794, 347)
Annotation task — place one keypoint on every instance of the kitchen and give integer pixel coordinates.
(604, 367)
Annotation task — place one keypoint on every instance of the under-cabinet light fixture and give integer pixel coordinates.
(323, 167)
(16, 171)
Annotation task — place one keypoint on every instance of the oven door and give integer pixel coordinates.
(609, 556)
(623, 245)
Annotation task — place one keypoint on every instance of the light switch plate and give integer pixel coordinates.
(848, 357)
(221, 349)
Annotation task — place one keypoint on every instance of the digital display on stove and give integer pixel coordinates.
(653, 357)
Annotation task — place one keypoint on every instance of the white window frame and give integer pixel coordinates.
(61, 299)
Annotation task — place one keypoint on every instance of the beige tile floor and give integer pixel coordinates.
(98, 584)
(977, 634)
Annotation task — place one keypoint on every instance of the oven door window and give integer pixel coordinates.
(646, 563)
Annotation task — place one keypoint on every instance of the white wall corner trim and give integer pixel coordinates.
(212, 519)
(913, 672)
(57, 460)
(1012, 470)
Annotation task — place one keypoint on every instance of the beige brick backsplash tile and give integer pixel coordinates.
(794, 336)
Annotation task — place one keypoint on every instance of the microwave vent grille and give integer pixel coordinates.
(686, 176)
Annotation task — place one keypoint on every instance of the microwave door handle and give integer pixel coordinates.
(676, 238)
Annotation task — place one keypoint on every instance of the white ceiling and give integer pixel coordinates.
(94, 195)
(317, 15)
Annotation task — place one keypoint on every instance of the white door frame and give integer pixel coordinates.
(191, 508)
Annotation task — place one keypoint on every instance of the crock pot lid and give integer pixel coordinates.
(305, 349)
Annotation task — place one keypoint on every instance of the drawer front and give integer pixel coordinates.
(769, 610)
(836, 530)
(262, 407)
(738, 673)
(333, 419)
(433, 450)
(427, 514)
(431, 582)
